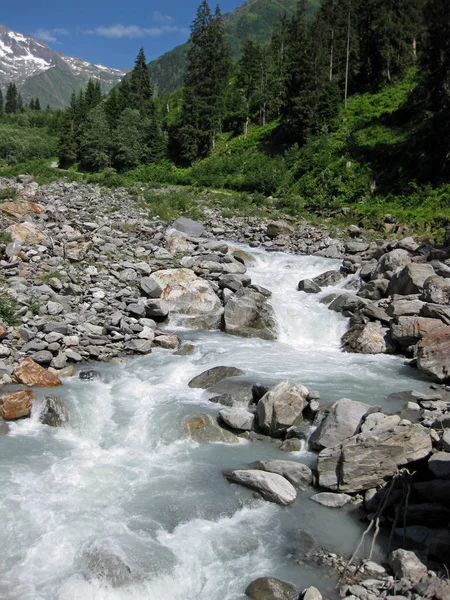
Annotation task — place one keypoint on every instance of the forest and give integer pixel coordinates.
(345, 106)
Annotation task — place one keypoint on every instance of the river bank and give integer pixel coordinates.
(103, 284)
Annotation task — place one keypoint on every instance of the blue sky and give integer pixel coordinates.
(107, 32)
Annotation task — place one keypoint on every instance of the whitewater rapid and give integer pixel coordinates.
(122, 480)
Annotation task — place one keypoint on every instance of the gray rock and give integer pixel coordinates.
(42, 357)
(341, 423)
(433, 354)
(279, 228)
(271, 486)
(59, 361)
(446, 440)
(437, 311)
(157, 309)
(204, 428)
(369, 338)
(269, 588)
(439, 465)
(311, 593)
(188, 226)
(248, 314)
(298, 474)
(4, 427)
(407, 331)
(365, 460)
(355, 246)
(374, 290)
(405, 564)
(150, 287)
(212, 376)
(140, 346)
(54, 412)
(328, 278)
(405, 308)
(281, 408)
(108, 567)
(436, 290)
(72, 355)
(238, 418)
(347, 303)
(291, 445)
(308, 286)
(391, 262)
(137, 310)
(410, 280)
(331, 500)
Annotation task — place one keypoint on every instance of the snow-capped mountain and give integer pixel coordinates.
(39, 71)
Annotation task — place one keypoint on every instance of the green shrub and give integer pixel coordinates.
(8, 308)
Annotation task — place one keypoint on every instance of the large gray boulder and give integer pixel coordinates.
(238, 418)
(347, 303)
(269, 588)
(214, 375)
(150, 287)
(433, 354)
(439, 465)
(410, 280)
(248, 314)
(281, 407)
(188, 226)
(204, 428)
(390, 263)
(369, 338)
(437, 311)
(298, 474)
(407, 331)
(328, 278)
(190, 296)
(331, 500)
(271, 486)
(365, 460)
(341, 423)
(405, 564)
(436, 290)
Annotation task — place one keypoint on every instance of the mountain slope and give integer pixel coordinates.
(254, 19)
(39, 71)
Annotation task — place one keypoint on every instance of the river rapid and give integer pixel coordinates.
(121, 479)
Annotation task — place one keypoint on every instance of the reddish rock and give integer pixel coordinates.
(433, 356)
(20, 208)
(16, 404)
(31, 373)
(3, 331)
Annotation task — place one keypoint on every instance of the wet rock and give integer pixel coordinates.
(188, 226)
(328, 278)
(308, 286)
(436, 290)
(185, 350)
(108, 567)
(311, 593)
(169, 342)
(281, 408)
(439, 465)
(248, 314)
(365, 460)
(4, 427)
(140, 346)
(291, 445)
(89, 375)
(54, 412)
(204, 428)
(405, 564)
(341, 423)
(212, 376)
(411, 279)
(298, 474)
(271, 486)
(269, 588)
(331, 500)
(30, 373)
(369, 338)
(16, 405)
(238, 418)
(187, 294)
(433, 354)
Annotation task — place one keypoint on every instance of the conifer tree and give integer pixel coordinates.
(95, 141)
(435, 61)
(140, 83)
(32, 105)
(37, 104)
(11, 104)
(2, 108)
(93, 94)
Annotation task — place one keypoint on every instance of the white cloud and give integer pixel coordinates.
(50, 35)
(134, 31)
(160, 18)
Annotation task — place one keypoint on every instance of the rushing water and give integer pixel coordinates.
(122, 480)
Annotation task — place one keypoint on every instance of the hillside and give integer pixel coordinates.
(39, 71)
(254, 20)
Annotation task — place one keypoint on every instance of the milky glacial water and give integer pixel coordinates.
(121, 479)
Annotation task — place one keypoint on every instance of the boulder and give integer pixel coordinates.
(107, 567)
(16, 405)
(30, 373)
(374, 290)
(365, 460)
(26, 234)
(54, 413)
(439, 465)
(311, 593)
(188, 226)
(212, 376)
(410, 280)
(298, 474)
(269, 588)
(204, 428)
(405, 564)
(308, 286)
(168, 342)
(436, 290)
(433, 354)
(188, 295)
(150, 287)
(328, 278)
(347, 303)
(76, 251)
(21, 207)
(157, 309)
(271, 486)
(248, 314)
(378, 422)
(279, 228)
(437, 311)
(281, 407)
(355, 246)
(179, 244)
(390, 263)
(342, 422)
(368, 338)
(331, 500)
(238, 418)
(405, 308)
(407, 331)
(140, 346)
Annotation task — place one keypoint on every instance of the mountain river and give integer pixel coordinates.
(121, 479)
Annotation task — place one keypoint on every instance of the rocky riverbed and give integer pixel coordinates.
(91, 279)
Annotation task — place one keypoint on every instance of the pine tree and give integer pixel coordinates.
(435, 61)
(128, 142)
(93, 94)
(20, 106)
(32, 105)
(250, 84)
(141, 88)
(204, 84)
(11, 104)
(95, 141)
(2, 108)
(277, 70)
(37, 104)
